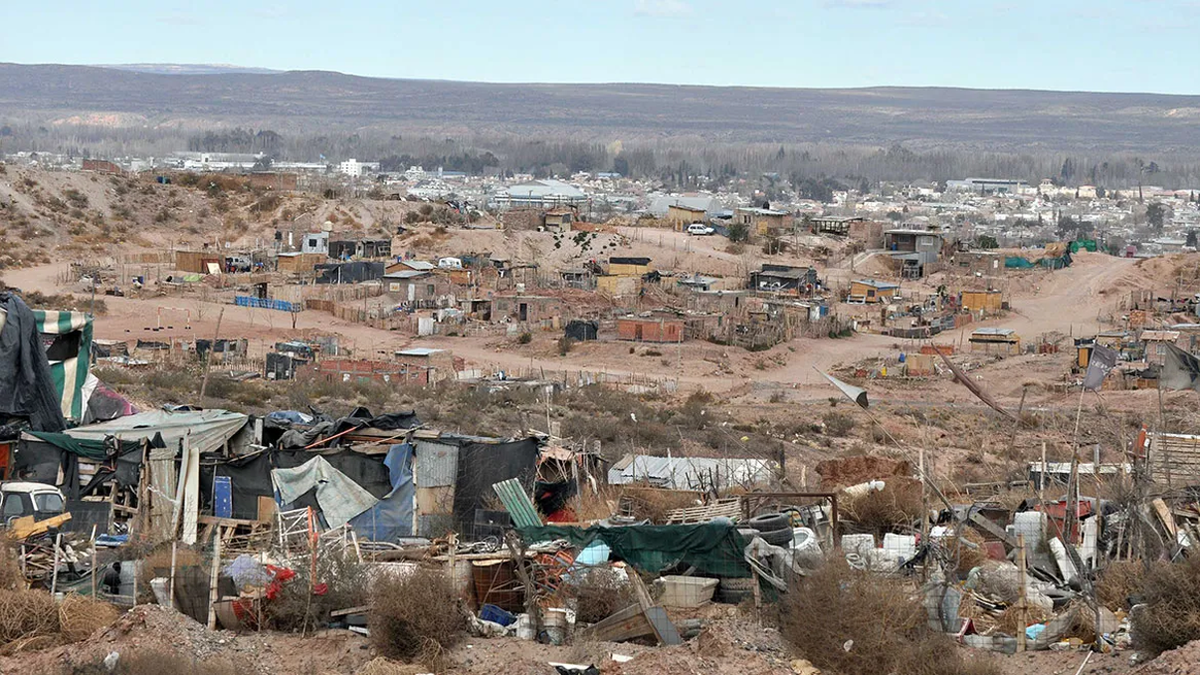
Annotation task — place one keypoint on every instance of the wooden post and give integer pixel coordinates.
(93, 562)
(171, 579)
(531, 608)
(211, 349)
(452, 545)
(1022, 603)
(54, 571)
(212, 582)
(1042, 475)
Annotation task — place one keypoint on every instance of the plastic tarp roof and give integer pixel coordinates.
(714, 548)
(206, 430)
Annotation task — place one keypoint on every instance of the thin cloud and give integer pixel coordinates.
(661, 8)
(180, 19)
(859, 4)
(271, 12)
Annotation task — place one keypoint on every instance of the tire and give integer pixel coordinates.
(769, 522)
(732, 597)
(782, 537)
(736, 584)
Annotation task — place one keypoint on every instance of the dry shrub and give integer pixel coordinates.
(1120, 580)
(967, 556)
(600, 593)
(1009, 621)
(79, 617)
(11, 578)
(898, 504)
(654, 504)
(25, 614)
(382, 666)
(298, 609)
(883, 618)
(837, 424)
(415, 616)
(1170, 616)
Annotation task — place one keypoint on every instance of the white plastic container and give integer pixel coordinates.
(686, 592)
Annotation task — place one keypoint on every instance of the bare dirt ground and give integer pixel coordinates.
(1065, 302)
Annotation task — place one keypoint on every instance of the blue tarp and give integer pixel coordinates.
(391, 517)
(267, 303)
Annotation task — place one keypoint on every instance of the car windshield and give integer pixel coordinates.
(48, 502)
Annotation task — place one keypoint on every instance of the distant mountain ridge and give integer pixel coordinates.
(188, 68)
(320, 101)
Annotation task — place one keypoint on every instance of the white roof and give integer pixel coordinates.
(417, 351)
(27, 486)
(546, 188)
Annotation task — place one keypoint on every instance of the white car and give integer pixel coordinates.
(700, 229)
(450, 263)
(22, 498)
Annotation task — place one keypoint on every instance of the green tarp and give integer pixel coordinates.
(1017, 262)
(712, 548)
(84, 447)
(69, 349)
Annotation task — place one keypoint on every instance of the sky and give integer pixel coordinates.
(1076, 45)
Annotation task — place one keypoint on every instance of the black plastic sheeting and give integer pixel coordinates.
(553, 497)
(582, 331)
(480, 465)
(26, 386)
(250, 477)
(348, 272)
(289, 435)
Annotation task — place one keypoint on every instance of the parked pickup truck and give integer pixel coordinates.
(31, 508)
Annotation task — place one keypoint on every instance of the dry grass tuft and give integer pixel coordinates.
(1122, 579)
(1171, 615)
(25, 614)
(79, 617)
(655, 504)
(416, 616)
(898, 504)
(881, 620)
(382, 666)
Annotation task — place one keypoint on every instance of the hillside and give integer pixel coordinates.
(305, 101)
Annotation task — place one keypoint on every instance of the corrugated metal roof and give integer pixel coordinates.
(437, 464)
(689, 473)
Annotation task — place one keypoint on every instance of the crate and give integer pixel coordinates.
(686, 592)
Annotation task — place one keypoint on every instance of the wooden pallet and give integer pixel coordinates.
(722, 508)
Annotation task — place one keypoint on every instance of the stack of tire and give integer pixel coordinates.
(735, 591)
(773, 528)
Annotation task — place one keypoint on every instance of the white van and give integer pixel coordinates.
(450, 263)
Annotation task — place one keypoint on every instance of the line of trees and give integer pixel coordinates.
(679, 163)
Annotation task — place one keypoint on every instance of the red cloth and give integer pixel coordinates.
(562, 516)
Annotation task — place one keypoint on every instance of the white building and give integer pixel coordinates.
(351, 167)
